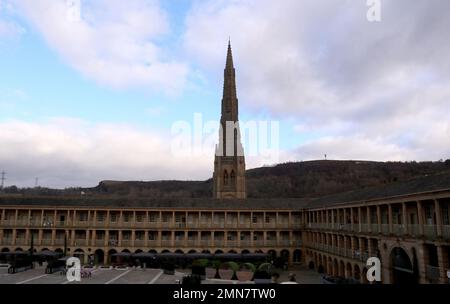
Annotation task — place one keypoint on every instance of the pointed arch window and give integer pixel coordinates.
(225, 177)
(233, 177)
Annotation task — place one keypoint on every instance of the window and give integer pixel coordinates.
(254, 219)
(83, 217)
(225, 177)
(153, 217)
(113, 217)
(428, 217)
(267, 219)
(165, 218)
(100, 217)
(445, 216)
(139, 218)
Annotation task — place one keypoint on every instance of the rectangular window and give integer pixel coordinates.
(100, 217)
(254, 219)
(267, 219)
(153, 217)
(445, 216)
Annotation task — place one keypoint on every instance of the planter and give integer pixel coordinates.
(244, 275)
(210, 273)
(226, 274)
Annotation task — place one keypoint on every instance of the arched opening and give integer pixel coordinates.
(59, 250)
(335, 268)
(179, 251)
(112, 256)
(165, 251)
(99, 256)
(349, 271)
(218, 251)
(311, 265)
(342, 269)
(152, 251)
(232, 251)
(273, 253)
(297, 256)
(364, 275)
(192, 251)
(5, 249)
(79, 253)
(245, 251)
(357, 273)
(330, 266)
(205, 251)
(138, 251)
(402, 268)
(320, 269)
(18, 249)
(225, 177)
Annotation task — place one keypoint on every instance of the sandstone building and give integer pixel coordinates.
(405, 224)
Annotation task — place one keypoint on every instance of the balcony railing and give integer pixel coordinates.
(139, 243)
(429, 231)
(398, 229)
(79, 242)
(47, 241)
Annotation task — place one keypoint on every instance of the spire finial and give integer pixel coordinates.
(229, 63)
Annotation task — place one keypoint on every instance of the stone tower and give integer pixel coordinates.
(229, 162)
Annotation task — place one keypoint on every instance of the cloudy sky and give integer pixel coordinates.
(92, 91)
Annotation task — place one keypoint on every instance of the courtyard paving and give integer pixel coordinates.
(136, 276)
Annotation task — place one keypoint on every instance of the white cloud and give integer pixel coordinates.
(70, 152)
(382, 88)
(113, 43)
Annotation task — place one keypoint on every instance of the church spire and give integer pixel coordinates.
(229, 100)
(229, 162)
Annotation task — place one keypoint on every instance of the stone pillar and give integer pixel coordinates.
(94, 238)
(420, 217)
(438, 211)
(72, 238)
(52, 242)
(369, 220)
(443, 264)
(40, 235)
(353, 245)
(405, 219)
(423, 260)
(106, 243)
(359, 219)
(133, 234)
(146, 238)
(391, 230)
(120, 237)
(379, 218)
